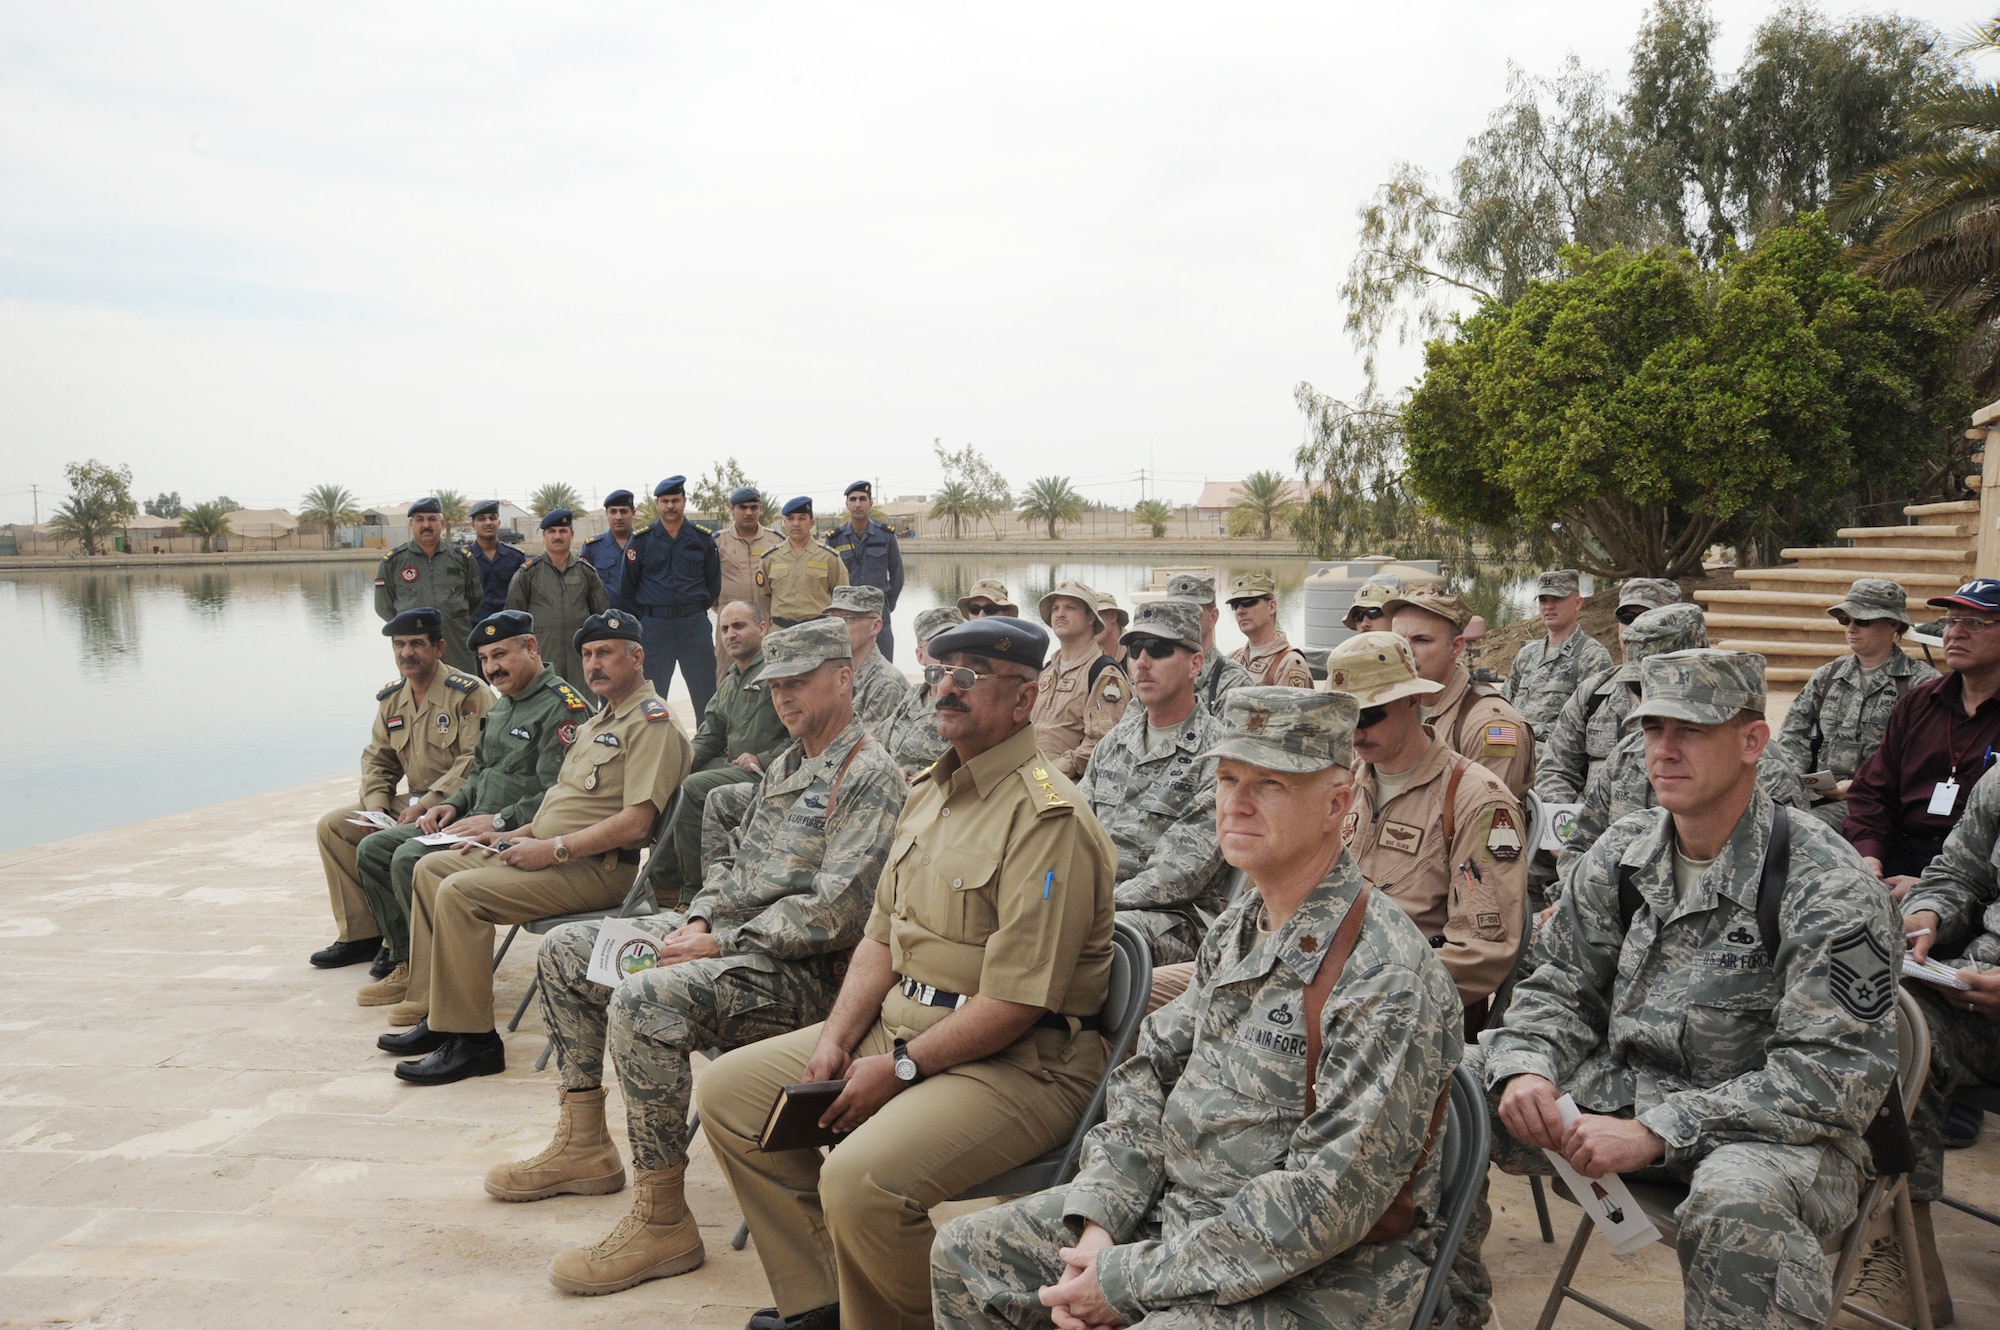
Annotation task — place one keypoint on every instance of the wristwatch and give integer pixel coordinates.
(906, 1066)
(562, 851)
(499, 821)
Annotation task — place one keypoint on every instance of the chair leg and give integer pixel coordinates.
(501, 954)
(1969, 1209)
(1541, 1207)
(526, 998)
(1571, 1259)
(1913, 1261)
(1850, 1246)
(547, 1049)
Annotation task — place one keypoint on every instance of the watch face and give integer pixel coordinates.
(906, 1068)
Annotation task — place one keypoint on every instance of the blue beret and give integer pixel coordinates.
(410, 622)
(671, 485)
(747, 494)
(498, 627)
(997, 636)
(617, 497)
(612, 625)
(483, 507)
(861, 485)
(802, 504)
(427, 505)
(558, 517)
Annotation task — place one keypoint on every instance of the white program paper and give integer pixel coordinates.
(1933, 972)
(1559, 821)
(371, 817)
(1607, 1200)
(621, 951)
(446, 838)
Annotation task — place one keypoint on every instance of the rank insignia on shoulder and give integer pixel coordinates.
(1040, 773)
(529, 563)
(1503, 838)
(464, 683)
(1502, 735)
(571, 698)
(653, 709)
(383, 694)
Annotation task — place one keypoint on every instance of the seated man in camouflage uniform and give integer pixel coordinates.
(1699, 1046)
(911, 735)
(1256, 1144)
(1152, 792)
(1547, 669)
(759, 952)
(879, 687)
(1220, 675)
(1590, 722)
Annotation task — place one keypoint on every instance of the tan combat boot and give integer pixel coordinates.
(391, 988)
(1882, 1281)
(580, 1161)
(407, 1012)
(657, 1239)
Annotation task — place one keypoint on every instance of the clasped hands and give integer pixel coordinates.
(1076, 1300)
(1595, 1144)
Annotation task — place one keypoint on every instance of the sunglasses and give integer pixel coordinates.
(1628, 613)
(1156, 647)
(1358, 613)
(989, 608)
(962, 677)
(1369, 716)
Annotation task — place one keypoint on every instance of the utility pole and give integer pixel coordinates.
(35, 492)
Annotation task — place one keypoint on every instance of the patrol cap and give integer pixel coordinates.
(618, 497)
(1558, 582)
(428, 504)
(854, 599)
(1876, 598)
(804, 647)
(935, 620)
(1676, 627)
(1439, 600)
(558, 517)
(1199, 587)
(860, 485)
(1981, 593)
(483, 507)
(1075, 591)
(1376, 667)
(1705, 686)
(1177, 621)
(1372, 595)
(1287, 729)
(610, 626)
(991, 589)
(1107, 605)
(1252, 586)
(423, 619)
(671, 485)
(998, 636)
(1648, 593)
(744, 494)
(498, 627)
(802, 504)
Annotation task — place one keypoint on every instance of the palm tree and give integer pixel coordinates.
(1155, 513)
(207, 520)
(85, 520)
(1263, 500)
(553, 496)
(957, 505)
(454, 505)
(1051, 500)
(328, 507)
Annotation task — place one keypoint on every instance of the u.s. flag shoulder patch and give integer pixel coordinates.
(1502, 735)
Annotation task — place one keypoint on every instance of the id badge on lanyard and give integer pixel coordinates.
(1944, 798)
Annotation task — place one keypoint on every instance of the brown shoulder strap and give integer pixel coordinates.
(1323, 980)
(833, 793)
(1458, 762)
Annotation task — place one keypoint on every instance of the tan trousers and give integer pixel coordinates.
(856, 1229)
(1169, 982)
(337, 842)
(456, 899)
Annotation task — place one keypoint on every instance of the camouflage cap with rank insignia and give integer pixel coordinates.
(1376, 668)
(1559, 582)
(1372, 595)
(1170, 620)
(855, 599)
(1648, 593)
(804, 647)
(1876, 598)
(611, 626)
(1252, 586)
(1287, 729)
(935, 620)
(1434, 598)
(1706, 686)
(1197, 587)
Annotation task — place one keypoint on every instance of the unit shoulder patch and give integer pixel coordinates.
(653, 709)
(1503, 836)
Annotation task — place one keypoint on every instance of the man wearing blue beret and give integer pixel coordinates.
(873, 557)
(497, 562)
(795, 580)
(672, 576)
(428, 572)
(606, 551)
(559, 591)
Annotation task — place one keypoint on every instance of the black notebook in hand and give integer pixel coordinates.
(795, 1115)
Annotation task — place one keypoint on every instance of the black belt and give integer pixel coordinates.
(676, 610)
(786, 623)
(923, 993)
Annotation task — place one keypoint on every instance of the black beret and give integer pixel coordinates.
(483, 507)
(427, 505)
(610, 626)
(671, 485)
(423, 619)
(861, 485)
(558, 517)
(617, 497)
(997, 636)
(802, 504)
(498, 627)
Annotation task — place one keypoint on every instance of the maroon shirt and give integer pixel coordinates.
(1890, 799)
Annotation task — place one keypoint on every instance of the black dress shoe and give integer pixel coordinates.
(347, 953)
(416, 1040)
(819, 1318)
(460, 1056)
(380, 969)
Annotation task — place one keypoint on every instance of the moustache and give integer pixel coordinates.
(952, 704)
(597, 676)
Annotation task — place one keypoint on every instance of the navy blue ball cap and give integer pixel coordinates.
(671, 485)
(558, 517)
(861, 485)
(995, 636)
(619, 497)
(1981, 593)
(483, 507)
(747, 494)
(423, 619)
(428, 504)
(802, 504)
(610, 626)
(498, 627)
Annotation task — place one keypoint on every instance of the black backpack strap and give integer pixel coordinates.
(1097, 667)
(1628, 897)
(1771, 885)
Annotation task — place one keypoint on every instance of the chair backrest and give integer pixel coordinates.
(1536, 814)
(1913, 1046)
(1466, 1145)
(1124, 1010)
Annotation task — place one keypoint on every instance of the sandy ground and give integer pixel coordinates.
(196, 1129)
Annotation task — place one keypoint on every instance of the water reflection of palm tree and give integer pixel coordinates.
(208, 592)
(330, 595)
(107, 616)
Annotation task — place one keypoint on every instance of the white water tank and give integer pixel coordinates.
(1330, 588)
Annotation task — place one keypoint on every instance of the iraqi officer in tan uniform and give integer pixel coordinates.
(742, 545)
(795, 580)
(426, 729)
(1266, 653)
(1083, 692)
(1472, 717)
(580, 852)
(966, 1027)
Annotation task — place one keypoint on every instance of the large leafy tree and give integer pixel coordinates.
(1263, 502)
(329, 507)
(100, 503)
(206, 521)
(711, 493)
(164, 504)
(1636, 405)
(547, 498)
(1051, 500)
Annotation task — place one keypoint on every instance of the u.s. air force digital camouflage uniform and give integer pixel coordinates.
(911, 734)
(1229, 1204)
(1759, 1077)
(879, 689)
(1590, 722)
(1542, 679)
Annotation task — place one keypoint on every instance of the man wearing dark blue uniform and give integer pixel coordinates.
(672, 576)
(872, 556)
(606, 551)
(497, 562)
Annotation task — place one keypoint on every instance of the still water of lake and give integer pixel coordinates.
(149, 691)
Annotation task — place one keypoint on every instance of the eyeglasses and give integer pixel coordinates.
(977, 610)
(1358, 613)
(1966, 624)
(1627, 613)
(1156, 647)
(962, 678)
(1368, 716)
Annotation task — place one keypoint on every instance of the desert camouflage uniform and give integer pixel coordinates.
(1160, 814)
(1277, 663)
(1230, 1206)
(1476, 721)
(1542, 681)
(879, 688)
(1836, 722)
(786, 893)
(1620, 787)
(1759, 1078)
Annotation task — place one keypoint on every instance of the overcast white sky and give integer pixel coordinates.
(250, 247)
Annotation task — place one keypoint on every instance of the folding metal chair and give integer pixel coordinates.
(1987, 1099)
(1503, 996)
(1467, 1143)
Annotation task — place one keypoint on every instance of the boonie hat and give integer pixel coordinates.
(1198, 587)
(498, 627)
(935, 620)
(1177, 621)
(558, 517)
(1558, 582)
(1439, 600)
(1876, 598)
(804, 647)
(1981, 593)
(1705, 686)
(1076, 591)
(1107, 605)
(1252, 586)
(990, 589)
(1375, 668)
(610, 626)
(1372, 595)
(422, 619)
(1287, 729)
(997, 636)
(853, 599)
